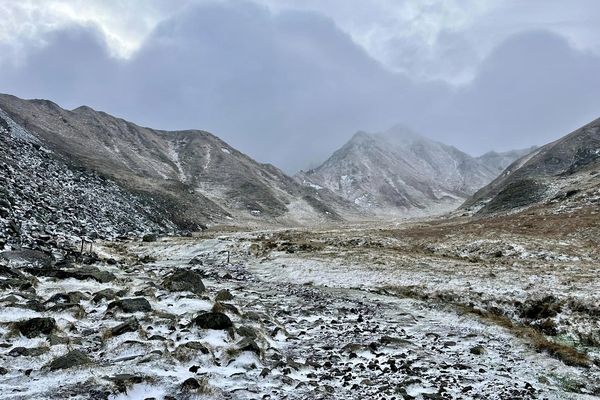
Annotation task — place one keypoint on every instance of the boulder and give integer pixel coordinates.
(36, 326)
(131, 325)
(213, 320)
(223, 295)
(247, 344)
(137, 304)
(71, 359)
(184, 281)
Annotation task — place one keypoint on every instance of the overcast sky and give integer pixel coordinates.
(289, 81)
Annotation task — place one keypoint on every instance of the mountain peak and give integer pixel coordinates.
(400, 171)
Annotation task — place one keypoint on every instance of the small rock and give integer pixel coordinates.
(131, 325)
(71, 359)
(138, 304)
(23, 351)
(223, 295)
(149, 238)
(477, 350)
(213, 320)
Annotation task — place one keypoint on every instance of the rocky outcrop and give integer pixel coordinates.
(46, 203)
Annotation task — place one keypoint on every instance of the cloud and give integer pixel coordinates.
(289, 87)
(533, 88)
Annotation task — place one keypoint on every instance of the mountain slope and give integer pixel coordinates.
(46, 203)
(400, 171)
(199, 176)
(565, 170)
(499, 161)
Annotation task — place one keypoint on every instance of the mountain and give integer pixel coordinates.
(196, 176)
(498, 162)
(46, 204)
(564, 174)
(400, 171)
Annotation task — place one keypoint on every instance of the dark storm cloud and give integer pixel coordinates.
(532, 89)
(289, 88)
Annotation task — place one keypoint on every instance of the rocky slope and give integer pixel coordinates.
(400, 171)
(201, 178)
(172, 319)
(46, 204)
(562, 175)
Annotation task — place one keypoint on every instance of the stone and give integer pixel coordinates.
(27, 352)
(137, 304)
(223, 295)
(477, 350)
(71, 359)
(149, 238)
(131, 325)
(27, 257)
(36, 326)
(247, 344)
(105, 294)
(184, 281)
(213, 320)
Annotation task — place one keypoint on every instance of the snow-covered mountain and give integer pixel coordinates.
(399, 171)
(194, 174)
(564, 173)
(499, 161)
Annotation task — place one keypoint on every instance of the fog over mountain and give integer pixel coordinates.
(286, 82)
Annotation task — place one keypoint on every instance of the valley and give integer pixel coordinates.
(424, 309)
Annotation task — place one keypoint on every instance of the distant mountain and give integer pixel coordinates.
(562, 174)
(199, 178)
(401, 171)
(498, 162)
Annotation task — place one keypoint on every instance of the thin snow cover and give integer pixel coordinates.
(226, 151)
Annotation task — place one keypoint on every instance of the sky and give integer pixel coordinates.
(290, 81)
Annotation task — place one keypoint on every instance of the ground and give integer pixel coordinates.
(421, 309)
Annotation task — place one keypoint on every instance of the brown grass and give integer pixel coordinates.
(563, 352)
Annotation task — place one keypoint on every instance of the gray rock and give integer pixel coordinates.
(213, 320)
(27, 258)
(223, 295)
(247, 344)
(184, 281)
(36, 326)
(131, 325)
(138, 304)
(71, 359)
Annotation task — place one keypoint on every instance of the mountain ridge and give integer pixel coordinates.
(203, 178)
(400, 172)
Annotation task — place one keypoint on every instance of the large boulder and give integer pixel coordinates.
(213, 320)
(36, 326)
(137, 304)
(184, 281)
